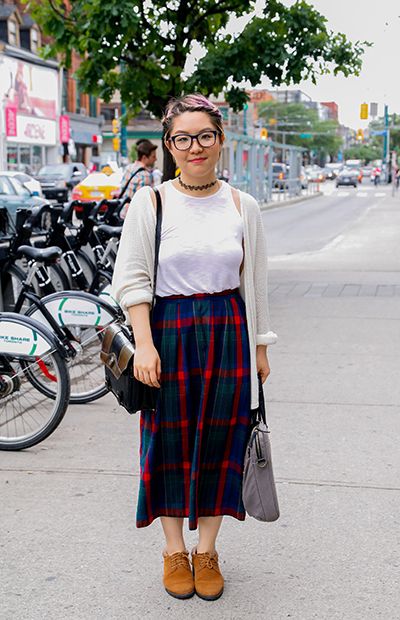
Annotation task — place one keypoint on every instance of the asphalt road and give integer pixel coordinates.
(312, 224)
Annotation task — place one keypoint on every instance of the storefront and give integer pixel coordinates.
(29, 97)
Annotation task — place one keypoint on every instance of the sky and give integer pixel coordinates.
(377, 21)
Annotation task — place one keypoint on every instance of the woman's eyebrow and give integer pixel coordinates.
(180, 131)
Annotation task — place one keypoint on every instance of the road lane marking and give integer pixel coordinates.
(380, 194)
(362, 194)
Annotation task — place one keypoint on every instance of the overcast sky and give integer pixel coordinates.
(376, 21)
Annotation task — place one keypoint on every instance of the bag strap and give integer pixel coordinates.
(260, 414)
(157, 242)
(123, 190)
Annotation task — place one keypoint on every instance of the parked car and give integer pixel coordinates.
(347, 177)
(14, 195)
(58, 180)
(315, 174)
(27, 181)
(279, 175)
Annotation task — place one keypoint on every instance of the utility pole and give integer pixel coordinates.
(124, 147)
(386, 142)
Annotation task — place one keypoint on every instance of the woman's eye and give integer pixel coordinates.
(206, 136)
(182, 140)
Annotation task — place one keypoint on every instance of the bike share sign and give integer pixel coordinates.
(74, 311)
(17, 339)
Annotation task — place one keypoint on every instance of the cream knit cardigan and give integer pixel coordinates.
(133, 273)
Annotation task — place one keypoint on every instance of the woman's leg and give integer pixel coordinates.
(173, 532)
(208, 532)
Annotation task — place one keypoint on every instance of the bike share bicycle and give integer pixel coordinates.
(29, 350)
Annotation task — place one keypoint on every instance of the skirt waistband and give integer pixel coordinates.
(231, 291)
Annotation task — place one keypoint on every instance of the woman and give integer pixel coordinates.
(207, 342)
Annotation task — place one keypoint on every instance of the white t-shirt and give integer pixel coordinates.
(201, 243)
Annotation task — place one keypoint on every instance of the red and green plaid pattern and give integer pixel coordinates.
(192, 448)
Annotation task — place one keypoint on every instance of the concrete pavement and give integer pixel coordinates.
(69, 546)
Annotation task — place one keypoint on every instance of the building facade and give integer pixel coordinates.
(29, 96)
(44, 117)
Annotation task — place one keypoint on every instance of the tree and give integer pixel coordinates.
(140, 48)
(365, 152)
(297, 124)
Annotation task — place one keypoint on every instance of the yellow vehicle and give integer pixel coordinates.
(97, 186)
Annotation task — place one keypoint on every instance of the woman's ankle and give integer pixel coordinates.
(174, 548)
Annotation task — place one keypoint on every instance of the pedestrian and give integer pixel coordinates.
(139, 173)
(207, 341)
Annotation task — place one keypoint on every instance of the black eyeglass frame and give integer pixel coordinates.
(194, 137)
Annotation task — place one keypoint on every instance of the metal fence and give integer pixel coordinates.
(249, 162)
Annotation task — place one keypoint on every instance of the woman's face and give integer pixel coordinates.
(198, 160)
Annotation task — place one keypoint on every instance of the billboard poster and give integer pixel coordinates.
(31, 89)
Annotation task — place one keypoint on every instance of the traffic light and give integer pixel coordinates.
(264, 134)
(115, 125)
(115, 143)
(360, 135)
(364, 111)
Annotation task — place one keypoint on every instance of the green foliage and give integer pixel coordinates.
(365, 152)
(141, 48)
(296, 118)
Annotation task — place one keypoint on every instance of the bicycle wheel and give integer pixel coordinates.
(85, 369)
(11, 283)
(88, 266)
(27, 416)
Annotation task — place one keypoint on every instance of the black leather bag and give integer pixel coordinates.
(118, 350)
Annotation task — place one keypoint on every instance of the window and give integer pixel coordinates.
(92, 106)
(34, 40)
(12, 32)
(5, 187)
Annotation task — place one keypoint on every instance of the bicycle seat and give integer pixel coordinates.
(110, 231)
(40, 255)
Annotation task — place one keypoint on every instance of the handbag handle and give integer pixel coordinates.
(261, 415)
(157, 242)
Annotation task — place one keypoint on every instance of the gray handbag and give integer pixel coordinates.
(259, 492)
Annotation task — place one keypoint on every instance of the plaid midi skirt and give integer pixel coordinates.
(192, 447)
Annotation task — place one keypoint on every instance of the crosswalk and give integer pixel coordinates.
(342, 194)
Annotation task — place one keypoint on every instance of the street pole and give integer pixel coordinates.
(124, 147)
(386, 139)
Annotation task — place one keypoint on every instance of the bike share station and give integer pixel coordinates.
(50, 339)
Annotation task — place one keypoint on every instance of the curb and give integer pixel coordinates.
(287, 203)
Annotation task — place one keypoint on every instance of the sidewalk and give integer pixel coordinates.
(70, 549)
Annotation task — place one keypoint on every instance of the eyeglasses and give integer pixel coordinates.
(205, 139)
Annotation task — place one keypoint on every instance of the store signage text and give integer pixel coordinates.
(64, 129)
(34, 131)
(11, 121)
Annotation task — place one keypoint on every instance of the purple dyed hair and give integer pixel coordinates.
(191, 103)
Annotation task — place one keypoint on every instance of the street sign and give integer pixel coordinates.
(380, 132)
(305, 135)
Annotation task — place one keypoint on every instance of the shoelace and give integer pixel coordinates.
(207, 560)
(179, 559)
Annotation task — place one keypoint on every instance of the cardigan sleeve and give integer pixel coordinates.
(132, 277)
(264, 334)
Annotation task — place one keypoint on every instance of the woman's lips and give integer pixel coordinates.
(198, 160)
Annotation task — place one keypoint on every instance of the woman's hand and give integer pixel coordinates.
(263, 368)
(147, 365)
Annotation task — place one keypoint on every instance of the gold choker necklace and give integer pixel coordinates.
(195, 188)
